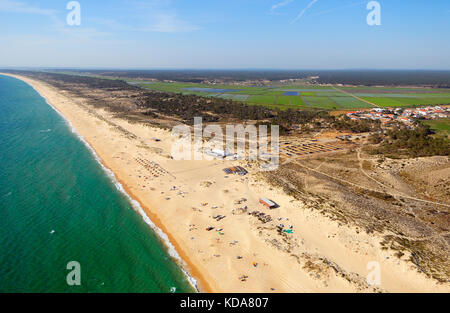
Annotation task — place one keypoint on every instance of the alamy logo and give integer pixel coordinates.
(374, 16)
(74, 16)
(374, 277)
(208, 143)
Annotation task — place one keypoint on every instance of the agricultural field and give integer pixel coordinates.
(407, 101)
(348, 102)
(285, 97)
(321, 102)
(262, 99)
(235, 97)
(401, 97)
(301, 96)
(310, 96)
(291, 101)
(441, 126)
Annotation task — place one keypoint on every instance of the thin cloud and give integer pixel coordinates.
(339, 8)
(280, 4)
(20, 7)
(163, 16)
(300, 15)
(163, 22)
(57, 24)
(170, 23)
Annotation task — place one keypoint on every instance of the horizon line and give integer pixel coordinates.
(216, 69)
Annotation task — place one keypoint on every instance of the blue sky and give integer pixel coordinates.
(285, 34)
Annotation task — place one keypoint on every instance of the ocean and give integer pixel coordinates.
(59, 205)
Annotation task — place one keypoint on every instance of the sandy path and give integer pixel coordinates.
(394, 192)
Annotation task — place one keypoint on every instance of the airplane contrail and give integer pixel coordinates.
(280, 4)
(299, 16)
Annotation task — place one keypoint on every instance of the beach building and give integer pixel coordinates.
(220, 153)
(268, 203)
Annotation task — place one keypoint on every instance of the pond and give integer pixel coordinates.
(291, 93)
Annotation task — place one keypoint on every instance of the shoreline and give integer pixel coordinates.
(193, 276)
(180, 205)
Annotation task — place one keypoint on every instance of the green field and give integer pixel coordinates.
(323, 97)
(291, 101)
(262, 99)
(440, 126)
(395, 89)
(349, 102)
(321, 102)
(310, 96)
(406, 102)
(235, 97)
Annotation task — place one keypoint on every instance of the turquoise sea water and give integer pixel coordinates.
(58, 205)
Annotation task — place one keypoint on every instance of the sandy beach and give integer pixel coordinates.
(240, 254)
